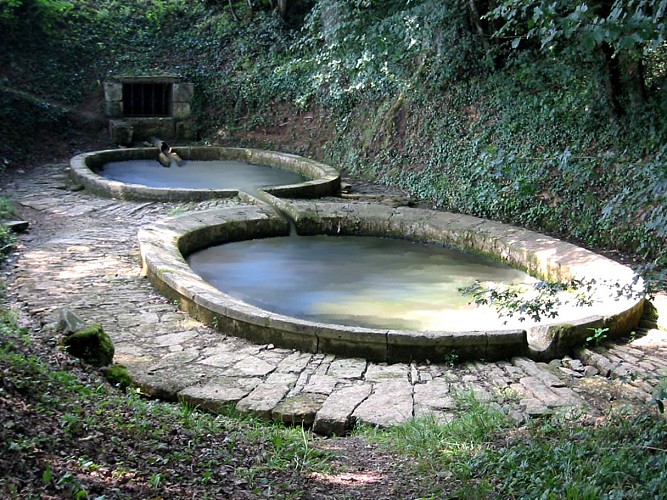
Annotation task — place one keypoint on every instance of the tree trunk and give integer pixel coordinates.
(282, 8)
(613, 79)
(231, 7)
(636, 80)
(333, 13)
(477, 9)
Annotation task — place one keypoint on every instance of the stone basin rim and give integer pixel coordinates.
(84, 168)
(165, 245)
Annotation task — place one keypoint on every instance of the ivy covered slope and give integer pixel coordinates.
(551, 115)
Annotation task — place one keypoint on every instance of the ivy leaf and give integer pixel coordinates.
(627, 42)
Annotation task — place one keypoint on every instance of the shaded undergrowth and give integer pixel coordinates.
(484, 455)
(67, 433)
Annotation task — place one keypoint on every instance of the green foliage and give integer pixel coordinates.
(660, 395)
(118, 376)
(7, 241)
(598, 336)
(37, 13)
(24, 120)
(635, 27)
(150, 442)
(418, 96)
(487, 457)
(558, 459)
(534, 148)
(543, 300)
(6, 208)
(347, 52)
(438, 446)
(7, 238)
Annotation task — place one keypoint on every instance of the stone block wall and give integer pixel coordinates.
(124, 130)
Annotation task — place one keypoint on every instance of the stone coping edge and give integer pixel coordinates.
(84, 168)
(165, 245)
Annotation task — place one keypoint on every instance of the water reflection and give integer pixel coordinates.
(195, 174)
(362, 281)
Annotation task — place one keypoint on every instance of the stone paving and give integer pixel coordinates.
(83, 253)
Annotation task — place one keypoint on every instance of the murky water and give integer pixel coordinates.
(196, 174)
(362, 281)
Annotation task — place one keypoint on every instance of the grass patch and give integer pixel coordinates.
(7, 238)
(67, 433)
(486, 456)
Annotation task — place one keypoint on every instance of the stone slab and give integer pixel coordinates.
(348, 368)
(299, 409)
(263, 399)
(335, 415)
(390, 403)
(215, 395)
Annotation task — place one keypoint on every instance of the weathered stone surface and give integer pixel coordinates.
(534, 407)
(251, 366)
(68, 322)
(389, 404)
(574, 364)
(282, 378)
(168, 381)
(348, 368)
(223, 359)
(171, 360)
(17, 226)
(570, 372)
(321, 384)
(299, 409)
(263, 399)
(334, 417)
(216, 394)
(380, 372)
(590, 371)
(539, 371)
(433, 395)
(295, 362)
(540, 391)
(171, 339)
(90, 344)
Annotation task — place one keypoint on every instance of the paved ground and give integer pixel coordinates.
(82, 252)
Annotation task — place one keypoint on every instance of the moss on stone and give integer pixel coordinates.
(118, 375)
(90, 344)
(650, 311)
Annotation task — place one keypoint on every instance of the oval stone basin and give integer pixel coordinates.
(166, 245)
(204, 173)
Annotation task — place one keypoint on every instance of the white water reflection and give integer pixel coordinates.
(360, 281)
(196, 174)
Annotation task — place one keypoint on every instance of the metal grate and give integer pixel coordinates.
(146, 99)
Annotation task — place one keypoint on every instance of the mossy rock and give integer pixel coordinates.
(90, 344)
(118, 376)
(650, 311)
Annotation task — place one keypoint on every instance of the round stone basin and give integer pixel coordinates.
(354, 280)
(205, 172)
(166, 245)
(198, 174)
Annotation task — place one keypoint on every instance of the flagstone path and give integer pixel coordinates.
(82, 253)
